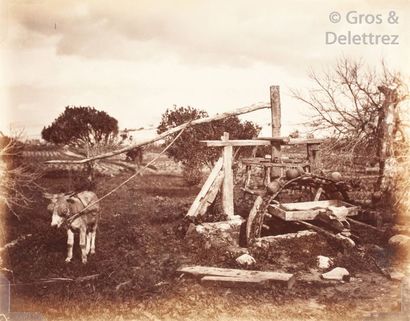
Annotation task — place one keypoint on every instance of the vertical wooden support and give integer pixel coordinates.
(227, 195)
(267, 177)
(275, 110)
(248, 176)
(313, 155)
(276, 125)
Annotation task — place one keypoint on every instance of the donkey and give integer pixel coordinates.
(63, 206)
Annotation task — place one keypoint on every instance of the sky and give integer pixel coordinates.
(134, 59)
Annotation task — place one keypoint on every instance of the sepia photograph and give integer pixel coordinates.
(191, 160)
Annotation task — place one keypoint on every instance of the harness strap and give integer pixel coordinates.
(82, 202)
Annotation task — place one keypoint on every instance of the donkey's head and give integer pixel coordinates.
(59, 207)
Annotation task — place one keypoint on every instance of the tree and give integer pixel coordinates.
(81, 126)
(360, 109)
(188, 149)
(90, 130)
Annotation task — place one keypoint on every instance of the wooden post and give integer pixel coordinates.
(275, 110)
(276, 125)
(313, 155)
(227, 194)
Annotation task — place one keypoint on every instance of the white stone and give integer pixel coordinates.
(323, 262)
(245, 259)
(399, 240)
(336, 274)
(398, 276)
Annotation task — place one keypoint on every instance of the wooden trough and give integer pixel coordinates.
(308, 211)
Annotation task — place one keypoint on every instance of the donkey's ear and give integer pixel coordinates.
(48, 196)
(70, 200)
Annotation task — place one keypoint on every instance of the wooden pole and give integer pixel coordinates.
(313, 155)
(227, 195)
(276, 125)
(171, 131)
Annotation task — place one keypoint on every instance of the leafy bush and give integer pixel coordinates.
(188, 149)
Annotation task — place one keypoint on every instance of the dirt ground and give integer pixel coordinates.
(140, 244)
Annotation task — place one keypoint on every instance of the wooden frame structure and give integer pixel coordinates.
(222, 174)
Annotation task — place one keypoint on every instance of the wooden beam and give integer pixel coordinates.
(240, 111)
(233, 142)
(281, 140)
(201, 271)
(227, 192)
(194, 209)
(368, 226)
(209, 198)
(270, 164)
(345, 241)
(305, 141)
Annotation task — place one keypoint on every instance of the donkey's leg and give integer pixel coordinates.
(83, 235)
(93, 233)
(88, 243)
(70, 243)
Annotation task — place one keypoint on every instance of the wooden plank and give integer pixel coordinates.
(209, 198)
(227, 192)
(236, 281)
(235, 142)
(201, 271)
(193, 210)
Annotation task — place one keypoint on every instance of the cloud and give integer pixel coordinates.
(136, 58)
(239, 32)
